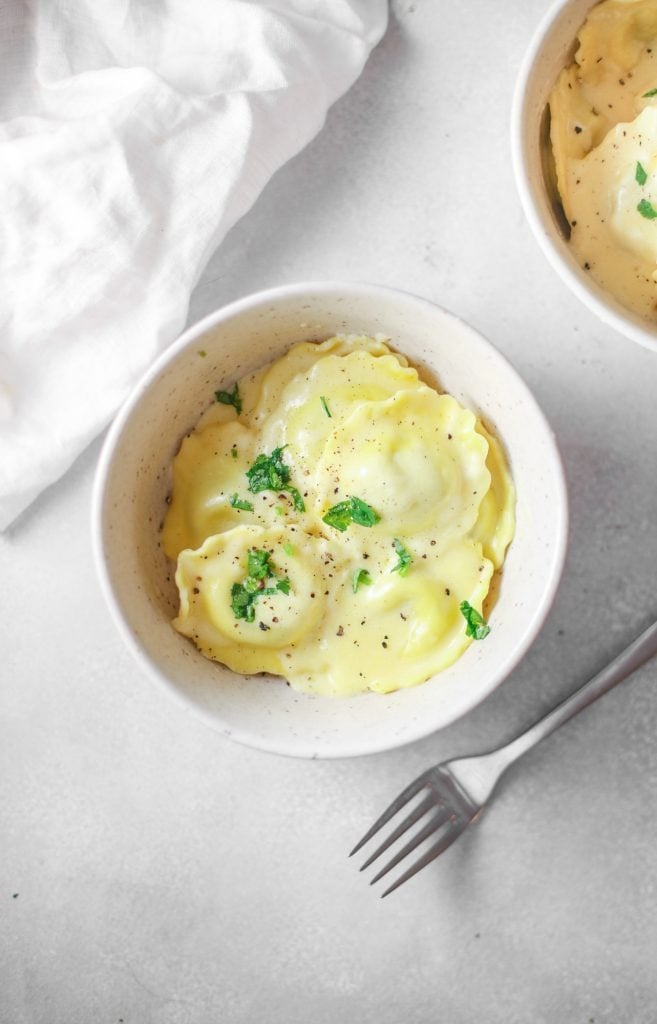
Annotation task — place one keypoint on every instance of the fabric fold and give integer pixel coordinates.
(133, 139)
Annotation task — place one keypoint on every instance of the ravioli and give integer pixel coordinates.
(331, 531)
(418, 458)
(603, 112)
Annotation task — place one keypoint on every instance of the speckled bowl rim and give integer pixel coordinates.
(371, 745)
(607, 309)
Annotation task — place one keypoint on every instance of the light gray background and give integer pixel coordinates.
(155, 873)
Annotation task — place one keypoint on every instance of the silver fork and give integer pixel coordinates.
(455, 792)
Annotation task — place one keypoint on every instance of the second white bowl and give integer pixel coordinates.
(550, 50)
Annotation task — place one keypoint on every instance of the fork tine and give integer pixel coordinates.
(443, 844)
(414, 787)
(409, 820)
(434, 823)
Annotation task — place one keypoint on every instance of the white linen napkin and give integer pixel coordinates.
(132, 137)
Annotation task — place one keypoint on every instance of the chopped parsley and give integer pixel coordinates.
(640, 174)
(259, 564)
(237, 502)
(338, 516)
(230, 398)
(647, 210)
(360, 576)
(353, 510)
(288, 549)
(233, 451)
(242, 602)
(476, 625)
(325, 406)
(297, 499)
(405, 558)
(243, 596)
(651, 92)
(270, 473)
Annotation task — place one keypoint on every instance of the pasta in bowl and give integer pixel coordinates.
(337, 522)
(272, 502)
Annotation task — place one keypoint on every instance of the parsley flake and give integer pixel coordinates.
(353, 510)
(259, 564)
(325, 406)
(237, 502)
(288, 549)
(270, 473)
(405, 558)
(640, 174)
(362, 513)
(651, 92)
(476, 627)
(360, 576)
(243, 596)
(647, 210)
(233, 451)
(242, 602)
(297, 500)
(230, 398)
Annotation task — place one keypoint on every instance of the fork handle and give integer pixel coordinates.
(628, 661)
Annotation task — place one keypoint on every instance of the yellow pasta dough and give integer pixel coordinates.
(332, 516)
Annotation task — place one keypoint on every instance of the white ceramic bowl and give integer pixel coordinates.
(134, 478)
(551, 49)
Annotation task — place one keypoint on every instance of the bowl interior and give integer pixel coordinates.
(135, 476)
(552, 48)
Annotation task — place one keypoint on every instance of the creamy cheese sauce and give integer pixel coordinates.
(372, 606)
(604, 140)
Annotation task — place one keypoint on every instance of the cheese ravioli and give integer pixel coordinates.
(334, 528)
